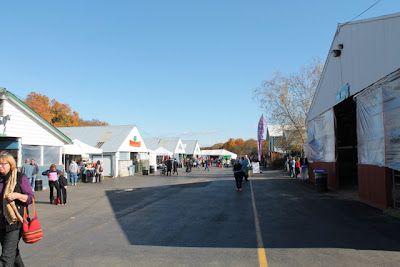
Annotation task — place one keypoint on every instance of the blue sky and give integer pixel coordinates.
(183, 68)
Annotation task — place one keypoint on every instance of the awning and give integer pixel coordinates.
(163, 152)
(80, 148)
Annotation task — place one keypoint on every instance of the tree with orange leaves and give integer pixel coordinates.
(40, 104)
(241, 147)
(62, 115)
(59, 115)
(230, 145)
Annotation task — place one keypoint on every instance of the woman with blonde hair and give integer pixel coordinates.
(17, 193)
(53, 182)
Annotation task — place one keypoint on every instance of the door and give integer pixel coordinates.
(346, 143)
(106, 163)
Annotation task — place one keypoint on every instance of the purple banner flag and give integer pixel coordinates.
(261, 127)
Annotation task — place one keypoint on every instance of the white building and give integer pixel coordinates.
(192, 148)
(354, 118)
(121, 145)
(172, 144)
(26, 135)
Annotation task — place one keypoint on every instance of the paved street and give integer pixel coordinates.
(198, 219)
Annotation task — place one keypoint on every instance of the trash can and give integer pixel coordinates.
(38, 185)
(304, 172)
(152, 169)
(145, 170)
(321, 180)
(132, 170)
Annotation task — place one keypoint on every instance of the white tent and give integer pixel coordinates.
(163, 152)
(218, 152)
(80, 148)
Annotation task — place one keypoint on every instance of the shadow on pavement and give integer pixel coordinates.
(213, 214)
(295, 216)
(186, 215)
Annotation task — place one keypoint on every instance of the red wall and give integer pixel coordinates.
(375, 185)
(331, 168)
(374, 182)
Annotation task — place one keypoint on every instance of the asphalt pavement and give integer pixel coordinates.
(199, 219)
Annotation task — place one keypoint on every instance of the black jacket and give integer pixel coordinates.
(237, 169)
(62, 181)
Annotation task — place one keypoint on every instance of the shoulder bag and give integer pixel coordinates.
(31, 230)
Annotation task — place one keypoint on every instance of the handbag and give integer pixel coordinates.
(31, 230)
(56, 201)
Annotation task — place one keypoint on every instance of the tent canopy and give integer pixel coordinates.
(80, 148)
(218, 152)
(163, 152)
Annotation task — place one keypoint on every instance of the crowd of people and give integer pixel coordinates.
(171, 165)
(294, 165)
(241, 166)
(57, 180)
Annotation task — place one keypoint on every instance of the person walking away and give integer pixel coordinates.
(63, 188)
(190, 164)
(34, 173)
(297, 167)
(27, 169)
(169, 166)
(292, 164)
(175, 167)
(238, 174)
(17, 193)
(207, 165)
(73, 171)
(245, 167)
(98, 170)
(52, 173)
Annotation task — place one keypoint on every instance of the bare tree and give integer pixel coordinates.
(286, 99)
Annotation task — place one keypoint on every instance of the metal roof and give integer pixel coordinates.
(152, 143)
(190, 146)
(169, 143)
(370, 53)
(108, 138)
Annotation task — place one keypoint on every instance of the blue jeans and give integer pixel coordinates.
(291, 171)
(33, 179)
(74, 177)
